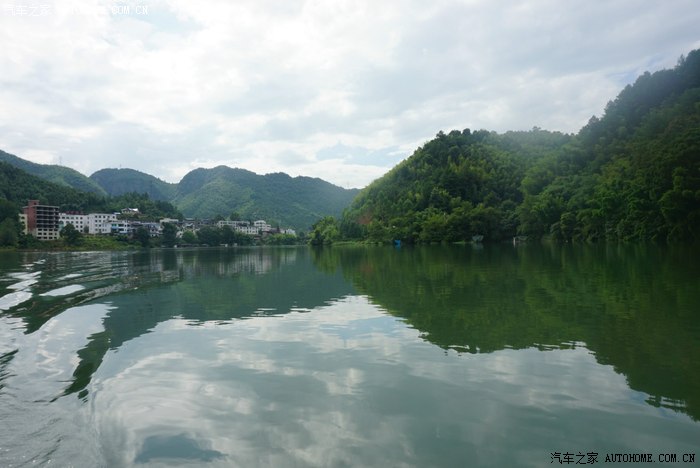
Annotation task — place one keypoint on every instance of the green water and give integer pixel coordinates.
(349, 356)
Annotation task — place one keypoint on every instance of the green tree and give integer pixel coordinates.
(434, 227)
(8, 210)
(209, 235)
(9, 235)
(169, 235)
(281, 239)
(71, 235)
(189, 237)
(142, 236)
(324, 231)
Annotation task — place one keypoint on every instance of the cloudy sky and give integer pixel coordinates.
(336, 89)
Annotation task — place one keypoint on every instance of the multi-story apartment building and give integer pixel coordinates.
(262, 226)
(250, 230)
(240, 226)
(96, 223)
(100, 223)
(232, 224)
(119, 226)
(78, 220)
(259, 227)
(42, 221)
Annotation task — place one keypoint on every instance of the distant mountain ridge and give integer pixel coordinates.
(18, 186)
(205, 193)
(60, 175)
(121, 181)
(278, 198)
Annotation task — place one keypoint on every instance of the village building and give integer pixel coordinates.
(45, 222)
(100, 223)
(41, 221)
(75, 218)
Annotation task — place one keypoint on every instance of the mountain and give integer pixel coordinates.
(457, 185)
(18, 186)
(53, 173)
(631, 175)
(204, 193)
(121, 181)
(278, 198)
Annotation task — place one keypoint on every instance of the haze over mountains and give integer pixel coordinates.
(205, 193)
(631, 175)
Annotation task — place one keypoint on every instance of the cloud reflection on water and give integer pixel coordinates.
(291, 390)
(259, 358)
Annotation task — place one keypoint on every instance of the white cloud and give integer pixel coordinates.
(270, 86)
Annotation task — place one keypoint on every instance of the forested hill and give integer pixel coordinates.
(121, 181)
(278, 198)
(206, 193)
(633, 174)
(57, 174)
(18, 186)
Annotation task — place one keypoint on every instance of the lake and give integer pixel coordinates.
(500, 355)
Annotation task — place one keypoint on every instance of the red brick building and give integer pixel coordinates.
(41, 220)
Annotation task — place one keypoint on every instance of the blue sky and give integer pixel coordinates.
(341, 90)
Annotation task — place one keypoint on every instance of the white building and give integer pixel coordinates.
(262, 226)
(96, 223)
(225, 222)
(250, 230)
(23, 223)
(119, 226)
(241, 226)
(100, 223)
(78, 220)
(233, 224)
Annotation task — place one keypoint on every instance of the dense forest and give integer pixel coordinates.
(277, 198)
(121, 181)
(18, 186)
(631, 175)
(60, 175)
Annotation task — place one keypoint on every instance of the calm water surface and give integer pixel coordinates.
(434, 356)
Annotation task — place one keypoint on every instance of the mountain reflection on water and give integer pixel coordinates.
(346, 355)
(634, 307)
(202, 292)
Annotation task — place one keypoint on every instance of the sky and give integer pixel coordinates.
(335, 89)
